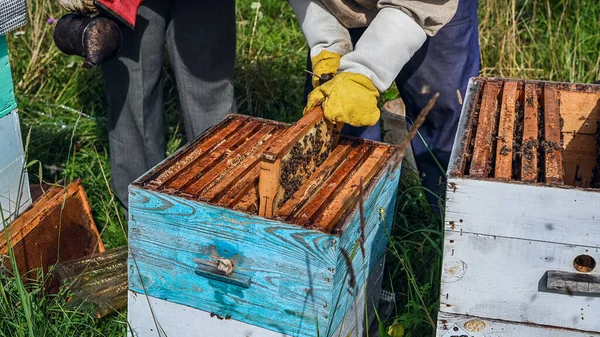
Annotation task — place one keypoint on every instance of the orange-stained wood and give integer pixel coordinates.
(238, 170)
(330, 187)
(59, 226)
(504, 147)
(347, 197)
(191, 158)
(248, 203)
(482, 152)
(529, 147)
(212, 157)
(239, 158)
(552, 144)
(240, 188)
(314, 183)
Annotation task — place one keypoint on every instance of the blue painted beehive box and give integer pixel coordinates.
(197, 241)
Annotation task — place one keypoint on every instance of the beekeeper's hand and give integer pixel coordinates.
(324, 64)
(84, 7)
(348, 98)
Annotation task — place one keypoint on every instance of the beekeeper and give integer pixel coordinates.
(424, 46)
(200, 38)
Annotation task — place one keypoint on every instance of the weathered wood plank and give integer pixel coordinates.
(379, 209)
(14, 182)
(211, 157)
(241, 188)
(347, 198)
(580, 111)
(249, 202)
(571, 283)
(314, 183)
(251, 148)
(328, 190)
(461, 153)
(526, 211)
(169, 235)
(209, 142)
(485, 327)
(486, 131)
(580, 158)
(513, 271)
(529, 148)
(238, 170)
(551, 144)
(180, 320)
(292, 158)
(506, 128)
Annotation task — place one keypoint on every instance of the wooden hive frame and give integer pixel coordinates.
(58, 226)
(521, 213)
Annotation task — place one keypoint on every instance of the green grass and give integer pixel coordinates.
(62, 105)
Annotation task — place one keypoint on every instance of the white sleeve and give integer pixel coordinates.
(321, 28)
(386, 46)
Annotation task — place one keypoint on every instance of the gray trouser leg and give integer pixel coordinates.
(201, 44)
(200, 36)
(134, 91)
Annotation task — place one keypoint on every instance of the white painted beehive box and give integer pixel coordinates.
(522, 229)
(14, 184)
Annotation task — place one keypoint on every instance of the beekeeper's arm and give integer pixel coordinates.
(392, 38)
(327, 38)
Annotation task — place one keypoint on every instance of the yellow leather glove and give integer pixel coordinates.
(326, 63)
(347, 98)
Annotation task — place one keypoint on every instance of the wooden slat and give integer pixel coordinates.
(580, 158)
(190, 157)
(211, 157)
(482, 152)
(240, 188)
(447, 322)
(511, 270)
(248, 203)
(347, 197)
(314, 183)
(292, 158)
(504, 147)
(571, 283)
(529, 163)
(502, 209)
(552, 144)
(466, 126)
(250, 150)
(580, 111)
(252, 158)
(329, 188)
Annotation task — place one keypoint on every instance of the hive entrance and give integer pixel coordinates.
(534, 132)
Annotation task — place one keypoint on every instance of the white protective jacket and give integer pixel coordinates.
(396, 30)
